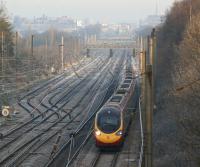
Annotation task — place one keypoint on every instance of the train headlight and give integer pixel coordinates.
(97, 133)
(119, 133)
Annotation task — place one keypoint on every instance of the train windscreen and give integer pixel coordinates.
(108, 120)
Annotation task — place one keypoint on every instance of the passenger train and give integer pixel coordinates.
(113, 118)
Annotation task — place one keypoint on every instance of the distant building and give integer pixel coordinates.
(43, 23)
(68, 24)
(152, 20)
(123, 29)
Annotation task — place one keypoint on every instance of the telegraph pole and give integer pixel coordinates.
(149, 117)
(144, 94)
(32, 38)
(153, 63)
(148, 49)
(151, 50)
(16, 44)
(150, 99)
(2, 53)
(62, 53)
(46, 50)
(16, 52)
(141, 53)
(31, 58)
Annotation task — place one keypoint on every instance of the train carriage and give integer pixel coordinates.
(113, 118)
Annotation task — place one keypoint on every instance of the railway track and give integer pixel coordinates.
(126, 156)
(52, 81)
(21, 151)
(79, 138)
(68, 139)
(105, 159)
(58, 81)
(39, 117)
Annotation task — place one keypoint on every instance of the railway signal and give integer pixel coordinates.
(111, 52)
(88, 52)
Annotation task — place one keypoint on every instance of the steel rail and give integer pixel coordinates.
(89, 119)
(38, 116)
(142, 136)
(47, 128)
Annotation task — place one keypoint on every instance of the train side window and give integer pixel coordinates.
(121, 91)
(116, 99)
(129, 77)
(124, 86)
(127, 81)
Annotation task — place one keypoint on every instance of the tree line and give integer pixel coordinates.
(25, 57)
(179, 71)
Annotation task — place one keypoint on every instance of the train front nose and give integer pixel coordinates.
(103, 139)
(108, 126)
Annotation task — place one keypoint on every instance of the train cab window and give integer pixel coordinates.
(108, 120)
(116, 99)
(127, 81)
(124, 86)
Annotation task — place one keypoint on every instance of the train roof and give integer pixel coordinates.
(121, 91)
(109, 108)
(127, 81)
(116, 98)
(125, 85)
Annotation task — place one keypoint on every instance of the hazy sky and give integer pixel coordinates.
(103, 10)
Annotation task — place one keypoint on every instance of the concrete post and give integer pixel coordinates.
(62, 54)
(149, 116)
